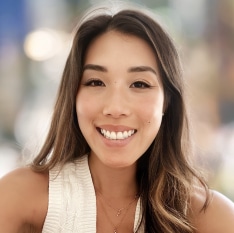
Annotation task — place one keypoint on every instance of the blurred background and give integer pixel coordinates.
(35, 38)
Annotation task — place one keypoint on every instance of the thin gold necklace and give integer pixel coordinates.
(119, 211)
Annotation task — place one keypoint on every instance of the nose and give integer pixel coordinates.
(116, 104)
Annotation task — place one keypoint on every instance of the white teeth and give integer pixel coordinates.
(107, 134)
(125, 133)
(113, 135)
(130, 132)
(117, 135)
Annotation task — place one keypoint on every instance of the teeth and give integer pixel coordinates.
(117, 135)
(113, 135)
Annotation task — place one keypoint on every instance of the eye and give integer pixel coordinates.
(140, 84)
(94, 83)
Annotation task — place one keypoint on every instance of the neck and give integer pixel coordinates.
(113, 182)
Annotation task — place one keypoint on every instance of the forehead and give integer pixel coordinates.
(123, 48)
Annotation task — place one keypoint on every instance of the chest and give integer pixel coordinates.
(72, 205)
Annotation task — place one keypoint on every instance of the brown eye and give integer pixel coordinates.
(140, 84)
(95, 83)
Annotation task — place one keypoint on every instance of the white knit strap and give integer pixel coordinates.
(72, 200)
(51, 223)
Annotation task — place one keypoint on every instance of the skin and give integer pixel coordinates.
(119, 102)
(23, 201)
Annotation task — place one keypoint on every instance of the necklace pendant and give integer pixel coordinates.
(119, 213)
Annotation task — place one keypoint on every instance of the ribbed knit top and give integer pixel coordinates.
(72, 200)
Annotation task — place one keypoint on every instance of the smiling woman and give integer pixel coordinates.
(117, 156)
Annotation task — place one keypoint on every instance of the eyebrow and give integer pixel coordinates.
(134, 69)
(142, 69)
(95, 67)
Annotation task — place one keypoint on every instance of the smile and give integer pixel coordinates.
(117, 135)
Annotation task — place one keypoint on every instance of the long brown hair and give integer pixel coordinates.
(164, 173)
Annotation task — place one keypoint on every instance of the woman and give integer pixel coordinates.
(117, 156)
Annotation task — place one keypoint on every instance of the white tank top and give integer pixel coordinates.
(72, 200)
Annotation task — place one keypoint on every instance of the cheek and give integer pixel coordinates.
(83, 106)
(84, 112)
(152, 110)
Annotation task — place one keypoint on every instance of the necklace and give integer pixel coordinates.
(118, 210)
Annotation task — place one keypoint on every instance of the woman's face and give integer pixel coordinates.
(120, 101)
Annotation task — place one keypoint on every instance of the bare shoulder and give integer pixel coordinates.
(218, 217)
(23, 200)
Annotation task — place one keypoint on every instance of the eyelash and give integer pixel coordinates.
(99, 83)
(94, 83)
(143, 85)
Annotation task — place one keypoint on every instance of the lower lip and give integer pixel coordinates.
(118, 142)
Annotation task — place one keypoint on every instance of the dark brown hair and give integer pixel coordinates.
(165, 175)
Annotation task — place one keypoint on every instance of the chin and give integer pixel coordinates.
(119, 163)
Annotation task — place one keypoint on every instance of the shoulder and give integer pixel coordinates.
(23, 199)
(217, 217)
